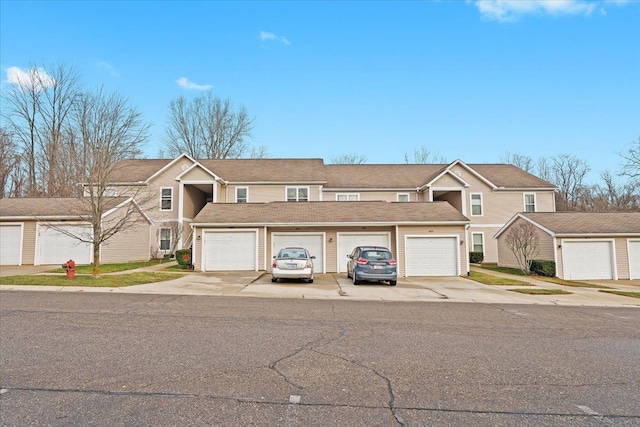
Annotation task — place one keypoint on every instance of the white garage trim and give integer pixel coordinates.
(588, 259)
(11, 237)
(312, 241)
(239, 252)
(633, 249)
(347, 241)
(439, 255)
(54, 246)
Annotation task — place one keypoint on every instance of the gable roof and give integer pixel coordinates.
(267, 170)
(68, 208)
(581, 223)
(504, 175)
(338, 213)
(380, 176)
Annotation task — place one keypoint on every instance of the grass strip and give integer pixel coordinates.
(491, 279)
(114, 268)
(624, 293)
(555, 280)
(541, 291)
(112, 280)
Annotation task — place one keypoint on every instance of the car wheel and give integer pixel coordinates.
(355, 278)
(310, 281)
(392, 282)
(274, 279)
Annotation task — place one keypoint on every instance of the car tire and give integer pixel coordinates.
(355, 278)
(392, 283)
(274, 279)
(310, 281)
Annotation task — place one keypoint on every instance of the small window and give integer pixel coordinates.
(476, 204)
(165, 239)
(297, 194)
(110, 192)
(166, 199)
(478, 244)
(530, 202)
(242, 194)
(347, 197)
(402, 197)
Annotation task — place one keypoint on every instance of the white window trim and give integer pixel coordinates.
(161, 199)
(535, 202)
(471, 204)
(473, 243)
(403, 194)
(160, 238)
(286, 191)
(347, 195)
(247, 193)
(111, 192)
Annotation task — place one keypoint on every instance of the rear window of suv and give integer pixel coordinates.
(376, 255)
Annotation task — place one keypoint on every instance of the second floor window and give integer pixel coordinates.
(297, 194)
(347, 197)
(402, 197)
(242, 195)
(166, 199)
(476, 204)
(529, 202)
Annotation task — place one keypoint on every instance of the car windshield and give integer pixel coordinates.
(376, 255)
(292, 253)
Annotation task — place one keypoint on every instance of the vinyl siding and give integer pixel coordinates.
(259, 193)
(29, 243)
(506, 258)
(130, 245)
(447, 181)
(388, 196)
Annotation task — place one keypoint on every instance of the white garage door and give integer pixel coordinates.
(634, 259)
(431, 256)
(313, 242)
(348, 241)
(230, 250)
(55, 247)
(10, 244)
(587, 260)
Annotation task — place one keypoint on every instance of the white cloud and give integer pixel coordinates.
(185, 83)
(267, 36)
(512, 10)
(31, 78)
(109, 68)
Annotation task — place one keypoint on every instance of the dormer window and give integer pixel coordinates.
(297, 194)
(343, 197)
(402, 197)
(242, 194)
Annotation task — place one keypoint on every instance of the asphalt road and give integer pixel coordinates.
(113, 359)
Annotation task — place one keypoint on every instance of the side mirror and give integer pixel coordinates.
(313, 257)
(349, 256)
(275, 256)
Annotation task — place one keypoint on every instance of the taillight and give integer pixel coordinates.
(392, 262)
(309, 265)
(275, 264)
(362, 261)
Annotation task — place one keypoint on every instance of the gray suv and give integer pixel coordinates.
(372, 263)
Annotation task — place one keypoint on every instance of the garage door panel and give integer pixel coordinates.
(431, 256)
(10, 244)
(588, 260)
(348, 241)
(314, 243)
(227, 251)
(56, 247)
(634, 259)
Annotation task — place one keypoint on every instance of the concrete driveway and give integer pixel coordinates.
(25, 270)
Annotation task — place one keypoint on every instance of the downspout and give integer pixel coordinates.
(466, 239)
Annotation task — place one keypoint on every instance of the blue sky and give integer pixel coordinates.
(469, 80)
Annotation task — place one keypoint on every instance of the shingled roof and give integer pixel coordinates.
(567, 223)
(340, 213)
(50, 207)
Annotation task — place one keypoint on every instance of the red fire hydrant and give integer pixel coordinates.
(70, 266)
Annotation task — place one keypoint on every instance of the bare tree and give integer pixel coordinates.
(349, 159)
(611, 195)
(568, 173)
(110, 131)
(12, 175)
(523, 241)
(260, 152)
(422, 155)
(38, 114)
(207, 127)
(631, 167)
(520, 161)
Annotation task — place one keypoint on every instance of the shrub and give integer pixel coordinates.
(543, 268)
(183, 256)
(476, 257)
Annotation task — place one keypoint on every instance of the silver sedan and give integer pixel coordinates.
(292, 263)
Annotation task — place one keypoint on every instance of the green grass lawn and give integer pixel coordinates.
(490, 279)
(555, 280)
(112, 280)
(624, 293)
(114, 268)
(540, 291)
